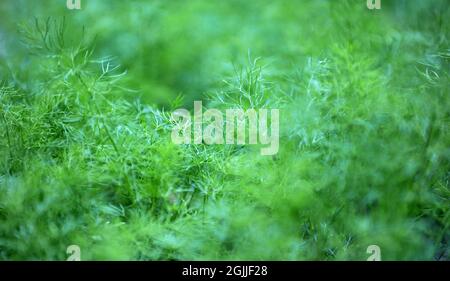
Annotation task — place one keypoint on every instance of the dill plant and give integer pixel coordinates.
(364, 142)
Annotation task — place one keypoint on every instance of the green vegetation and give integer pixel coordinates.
(86, 156)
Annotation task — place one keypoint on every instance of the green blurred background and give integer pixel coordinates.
(173, 47)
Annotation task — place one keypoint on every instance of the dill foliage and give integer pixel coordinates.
(86, 156)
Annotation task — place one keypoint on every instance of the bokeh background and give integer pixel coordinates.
(85, 150)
